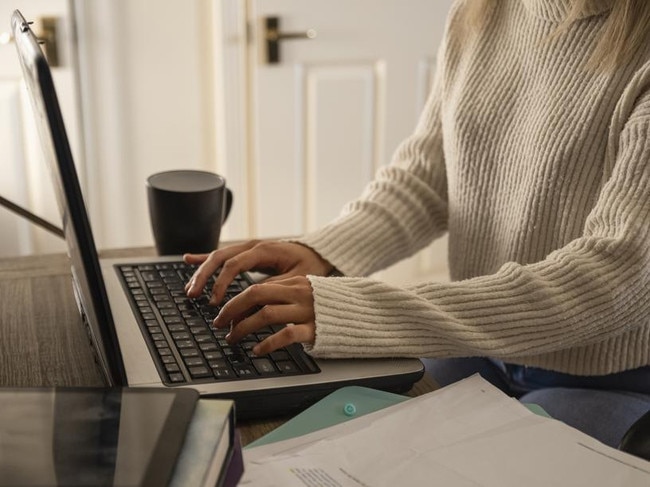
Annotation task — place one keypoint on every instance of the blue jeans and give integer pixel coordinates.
(603, 407)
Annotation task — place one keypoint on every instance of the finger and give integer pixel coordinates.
(194, 287)
(255, 258)
(195, 259)
(282, 277)
(209, 266)
(278, 314)
(252, 297)
(302, 333)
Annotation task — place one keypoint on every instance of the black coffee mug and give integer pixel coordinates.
(187, 210)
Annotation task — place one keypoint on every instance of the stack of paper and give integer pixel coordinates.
(467, 434)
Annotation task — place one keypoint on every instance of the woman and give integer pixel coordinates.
(533, 153)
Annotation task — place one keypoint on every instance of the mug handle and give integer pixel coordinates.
(229, 197)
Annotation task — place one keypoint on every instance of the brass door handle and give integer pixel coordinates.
(47, 32)
(273, 35)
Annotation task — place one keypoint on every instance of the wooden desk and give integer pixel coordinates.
(42, 338)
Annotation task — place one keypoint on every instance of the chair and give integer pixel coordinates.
(636, 440)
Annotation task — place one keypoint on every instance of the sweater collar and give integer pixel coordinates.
(557, 10)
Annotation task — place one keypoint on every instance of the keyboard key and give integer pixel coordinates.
(220, 333)
(208, 347)
(193, 361)
(287, 367)
(264, 366)
(213, 355)
(223, 373)
(150, 276)
(245, 371)
(181, 335)
(238, 359)
(198, 372)
(172, 368)
(279, 355)
(176, 377)
(190, 352)
(203, 338)
(218, 364)
(247, 345)
(196, 322)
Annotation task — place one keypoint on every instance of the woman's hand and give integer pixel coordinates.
(284, 259)
(271, 303)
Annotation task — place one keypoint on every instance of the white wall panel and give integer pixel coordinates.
(340, 125)
(15, 236)
(148, 97)
(24, 177)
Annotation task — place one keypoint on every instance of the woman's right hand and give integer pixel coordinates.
(281, 259)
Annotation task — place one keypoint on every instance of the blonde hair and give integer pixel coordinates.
(624, 33)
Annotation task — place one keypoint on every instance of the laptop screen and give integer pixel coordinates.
(88, 283)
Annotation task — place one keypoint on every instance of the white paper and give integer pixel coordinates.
(466, 434)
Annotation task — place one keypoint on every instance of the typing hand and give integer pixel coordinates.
(284, 259)
(271, 303)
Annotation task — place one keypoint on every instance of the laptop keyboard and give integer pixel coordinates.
(179, 332)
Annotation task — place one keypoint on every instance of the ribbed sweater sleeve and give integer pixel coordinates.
(545, 193)
(593, 289)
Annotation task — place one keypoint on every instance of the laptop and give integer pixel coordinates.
(145, 331)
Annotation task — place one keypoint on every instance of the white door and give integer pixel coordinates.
(307, 133)
(24, 178)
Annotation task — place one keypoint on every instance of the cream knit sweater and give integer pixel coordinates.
(540, 172)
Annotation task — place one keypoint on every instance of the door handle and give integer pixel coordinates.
(273, 35)
(47, 32)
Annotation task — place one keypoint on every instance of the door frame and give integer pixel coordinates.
(234, 142)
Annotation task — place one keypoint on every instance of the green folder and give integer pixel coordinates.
(331, 410)
(341, 405)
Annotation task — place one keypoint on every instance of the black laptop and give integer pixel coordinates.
(143, 328)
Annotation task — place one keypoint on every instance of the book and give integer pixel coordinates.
(211, 453)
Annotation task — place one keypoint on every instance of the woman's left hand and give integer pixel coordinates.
(275, 302)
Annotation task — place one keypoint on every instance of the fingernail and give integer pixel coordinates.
(256, 350)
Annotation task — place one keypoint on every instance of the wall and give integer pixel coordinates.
(147, 95)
